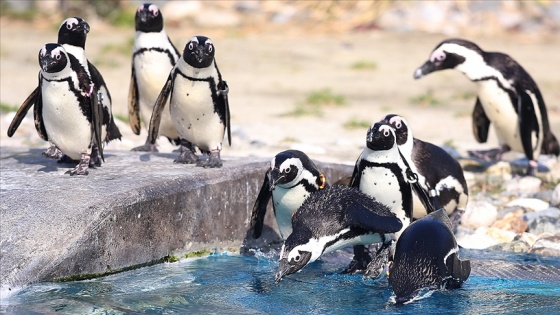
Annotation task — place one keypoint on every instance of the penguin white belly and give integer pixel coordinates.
(66, 125)
(192, 110)
(498, 108)
(383, 185)
(286, 202)
(152, 70)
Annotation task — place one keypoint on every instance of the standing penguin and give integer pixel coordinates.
(66, 110)
(426, 258)
(291, 178)
(507, 97)
(331, 219)
(381, 174)
(154, 55)
(198, 103)
(439, 174)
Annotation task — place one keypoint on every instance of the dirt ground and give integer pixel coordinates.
(269, 74)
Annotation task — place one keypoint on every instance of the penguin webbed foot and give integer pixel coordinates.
(492, 155)
(95, 160)
(187, 153)
(53, 153)
(213, 160)
(82, 167)
(377, 265)
(146, 147)
(360, 261)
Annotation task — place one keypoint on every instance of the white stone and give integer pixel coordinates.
(527, 184)
(529, 203)
(479, 213)
(555, 200)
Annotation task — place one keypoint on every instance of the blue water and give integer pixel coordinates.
(234, 284)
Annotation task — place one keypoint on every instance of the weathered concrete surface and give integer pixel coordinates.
(135, 209)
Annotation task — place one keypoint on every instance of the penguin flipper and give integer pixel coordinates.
(480, 122)
(224, 90)
(96, 122)
(155, 120)
(367, 218)
(259, 209)
(22, 111)
(356, 175)
(38, 116)
(133, 107)
(527, 122)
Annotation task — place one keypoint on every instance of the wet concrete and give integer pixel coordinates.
(135, 209)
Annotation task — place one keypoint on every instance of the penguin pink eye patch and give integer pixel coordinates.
(70, 22)
(437, 56)
(396, 121)
(154, 9)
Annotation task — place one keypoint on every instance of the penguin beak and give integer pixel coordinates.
(83, 26)
(285, 269)
(143, 16)
(199, 54)
(427, 68)
(273, 178)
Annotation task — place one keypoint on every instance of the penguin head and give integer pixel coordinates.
(53, 58)
(381, 137)
(73, 31)
(199, 52)
(400, 125)
(285, 170)
(296, 253)
(450, 54)
(148, 18)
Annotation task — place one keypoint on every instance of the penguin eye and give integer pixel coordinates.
(287, 170)
(210, 48)
(398, 125)
(386, 133)
(191, 46)
(297, 258)
(57, 57)
(68, 26)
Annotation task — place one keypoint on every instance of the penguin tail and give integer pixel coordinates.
(550, 144)
(113, 131)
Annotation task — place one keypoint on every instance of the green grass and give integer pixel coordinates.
(198, 253)
(426, 99)
(6, 108)
(356, 123)
(314, 103)
(170, 259)
(363, 65)
(290, 140)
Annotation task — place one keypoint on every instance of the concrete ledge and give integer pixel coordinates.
(135, 209)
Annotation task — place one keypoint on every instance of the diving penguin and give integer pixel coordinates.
(154, 55)
(67, 112)
(291, 178)
(426, 258)
(330, 219)
(198, 103)
(380, 173)
(508, 98)
(439, 174)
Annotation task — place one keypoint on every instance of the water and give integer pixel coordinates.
(234, 284)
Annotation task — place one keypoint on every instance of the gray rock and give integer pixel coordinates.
(523, 185)
(544, 224)
(549, 245)
(555, 198)
(530, 217)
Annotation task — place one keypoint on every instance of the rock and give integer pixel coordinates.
(501, 236)
(555, 198)
(511, 222)
(516, 246)
(529, 203)
(479, 213)
(547, 246)
(528, 238)
(477, 240)
(544, 224)
(501, 169)
(523, 185)
(529, 217)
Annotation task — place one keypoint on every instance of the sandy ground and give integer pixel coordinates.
(270, 73)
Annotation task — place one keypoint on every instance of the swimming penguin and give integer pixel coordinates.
(331, 219)
(439, 174)
(154, 55)
(198, 105)
(67, 112)
(381, 174)
(72, 35)
(507, 97)
(291, 178)
(426, 258)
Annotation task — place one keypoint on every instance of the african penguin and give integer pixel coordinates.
(291, 178)
(198, 103)
(439, 174)
(72, 35)
(330, 219)
(507, 97)
(153, 57)
(381, 174)
(426, 258)
(67, 112)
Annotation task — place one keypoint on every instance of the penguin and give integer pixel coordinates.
(67, 112)
(331, 219)
(198, 104)
(72, 35)
(426, 258)
(291, 178)
(381, 174)
(439, 174)
(153, 57)
(508, 98)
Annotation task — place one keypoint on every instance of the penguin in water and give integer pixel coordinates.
(381, 174)
(198, 104)
(507, 97)
(154, 55)
(72, 35)
(331, 219)
(67, 113)
(439, 174)
(291, 178)
(426, 258)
